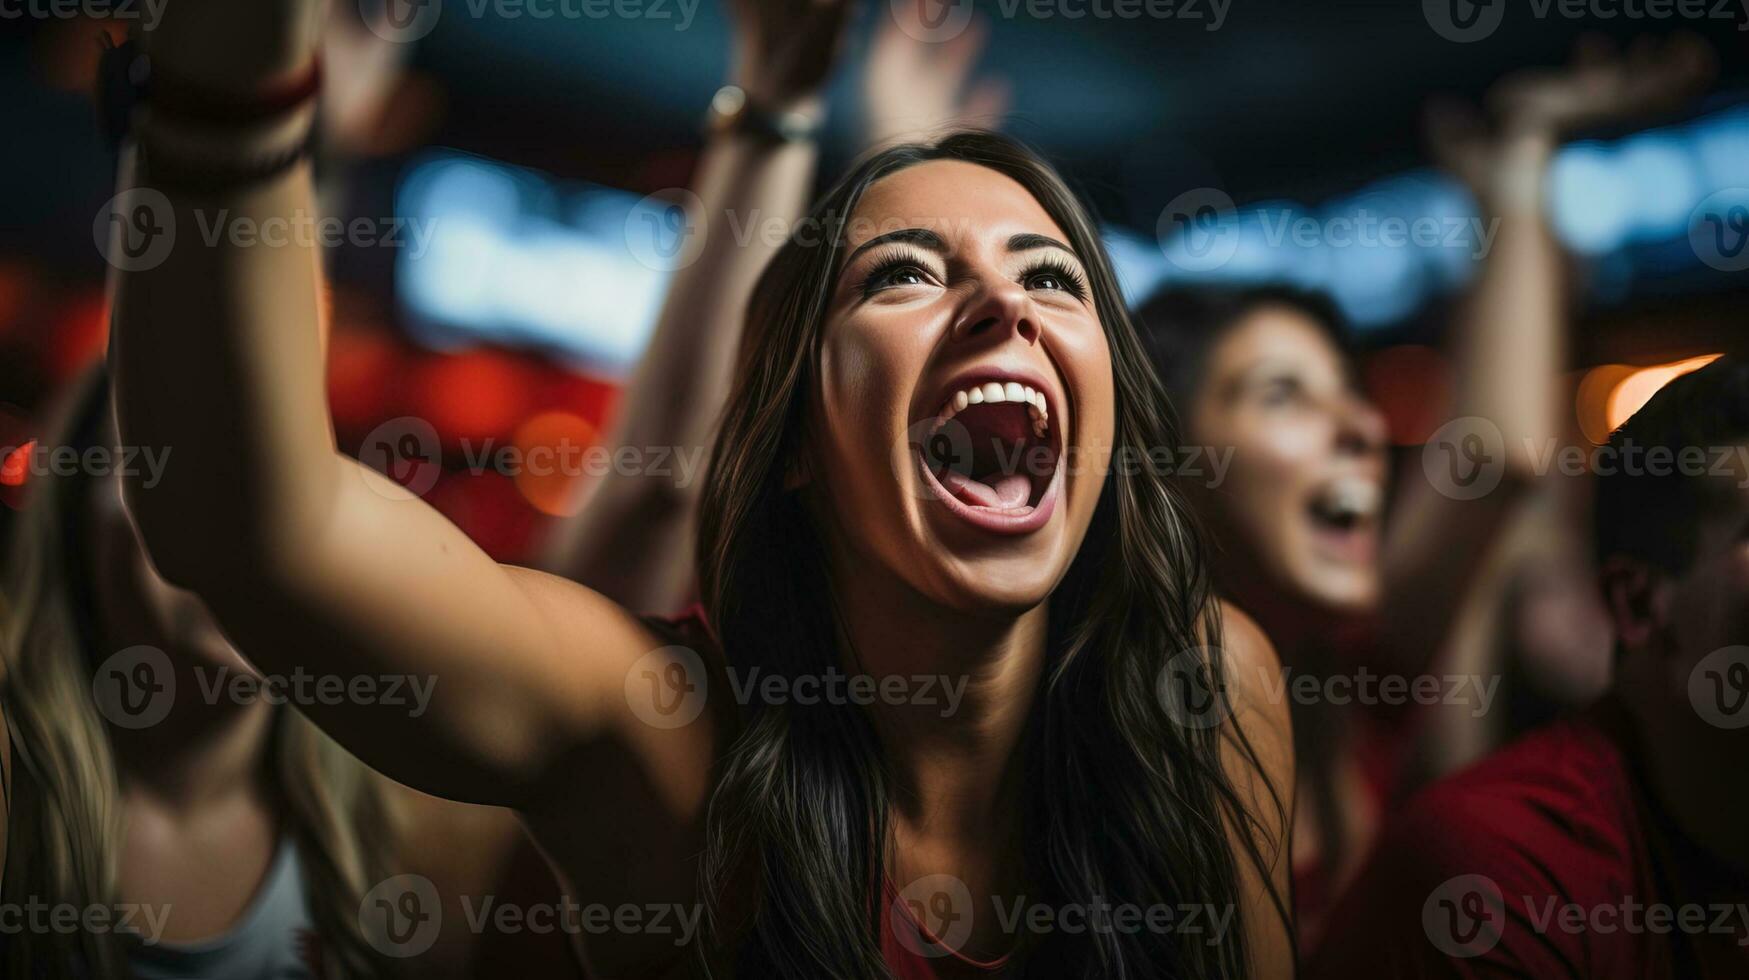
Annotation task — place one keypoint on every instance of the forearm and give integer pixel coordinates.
(1507, 349)
(753, 194)
(1509, 346)
(217, 361)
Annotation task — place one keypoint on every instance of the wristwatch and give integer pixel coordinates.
(732, 111)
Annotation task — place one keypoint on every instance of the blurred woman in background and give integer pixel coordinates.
(1304, 545)
(251, 831)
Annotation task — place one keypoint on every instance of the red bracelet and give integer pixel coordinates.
(127, 80)
(181, 99)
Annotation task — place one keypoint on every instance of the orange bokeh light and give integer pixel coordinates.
(551, 446)
(1635, 390)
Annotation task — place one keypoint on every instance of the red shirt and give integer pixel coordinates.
(1545, 860)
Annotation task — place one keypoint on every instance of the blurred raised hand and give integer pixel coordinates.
(785, 49)
(1600, 85)
(913, 87)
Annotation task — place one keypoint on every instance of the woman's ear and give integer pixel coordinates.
(1630, 592)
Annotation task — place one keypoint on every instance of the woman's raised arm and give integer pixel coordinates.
(316, 566)
(1509, 335)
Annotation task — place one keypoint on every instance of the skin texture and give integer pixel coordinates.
(889, 359)
(202, 827)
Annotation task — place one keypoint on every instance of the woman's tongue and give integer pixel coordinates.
(1002, 492)
(996, 476)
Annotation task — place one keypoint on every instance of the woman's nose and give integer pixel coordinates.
(1001, 308)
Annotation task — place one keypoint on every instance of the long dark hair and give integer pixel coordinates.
(1121, 803)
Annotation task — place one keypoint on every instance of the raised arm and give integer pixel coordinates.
(1508, 341)
(633, 537)
(312, 563)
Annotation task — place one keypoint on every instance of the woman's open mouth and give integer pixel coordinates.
(991, 455)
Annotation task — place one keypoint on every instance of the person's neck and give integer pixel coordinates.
(951, 747)
(200, 753)
(1705, 806)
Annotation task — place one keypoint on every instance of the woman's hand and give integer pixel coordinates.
(784, 49)
(1529, 112)
(914, 87)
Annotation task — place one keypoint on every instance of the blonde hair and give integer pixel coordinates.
(65, 824)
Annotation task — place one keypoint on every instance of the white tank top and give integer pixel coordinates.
(274, 940)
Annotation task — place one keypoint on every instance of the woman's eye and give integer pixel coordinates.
(897, 275)
(1046, 280)
(1281, 391)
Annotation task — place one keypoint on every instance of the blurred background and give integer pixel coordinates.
(519, 170)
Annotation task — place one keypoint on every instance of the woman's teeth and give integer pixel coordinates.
(1348, 500)
(992, 392)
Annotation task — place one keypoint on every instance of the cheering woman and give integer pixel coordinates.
(953, 294)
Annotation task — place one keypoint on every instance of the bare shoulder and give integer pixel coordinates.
(1253, 682)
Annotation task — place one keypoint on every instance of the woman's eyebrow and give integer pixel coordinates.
(921, 237)
(1028, 241)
